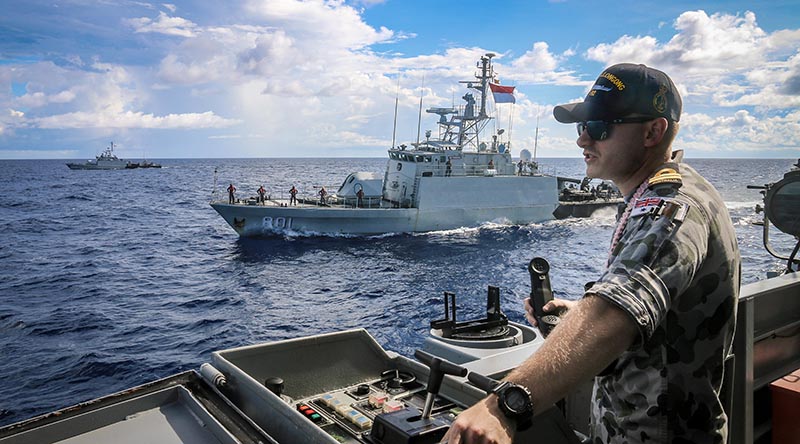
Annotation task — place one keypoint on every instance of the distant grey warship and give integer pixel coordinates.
(107, 160)
(454, 179)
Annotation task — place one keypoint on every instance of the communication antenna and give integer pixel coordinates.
(214, 190)
(536, 136)
(419, 120)
(396, 98)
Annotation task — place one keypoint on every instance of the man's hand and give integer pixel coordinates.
(483, 423)
(556, 306)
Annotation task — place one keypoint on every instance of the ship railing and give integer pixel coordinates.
(306, 198)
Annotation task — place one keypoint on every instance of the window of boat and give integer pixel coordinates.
(442, 159)
(420, 158)
(347, 180)
(426, 158)
(393, 156)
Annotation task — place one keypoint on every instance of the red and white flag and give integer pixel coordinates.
(502, 94)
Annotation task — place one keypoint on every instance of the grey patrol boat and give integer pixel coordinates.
(107, 160)
(456, 178)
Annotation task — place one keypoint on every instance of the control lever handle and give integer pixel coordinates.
(484, 383)
(541, 294)
(438, 368)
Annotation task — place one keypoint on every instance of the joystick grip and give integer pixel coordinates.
(541, 294)
(484, 383)
(439, 367)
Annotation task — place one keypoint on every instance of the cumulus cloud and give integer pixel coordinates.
(747, 131)
(130, 119)
(539, 65)
(163, 24)
(709, 56)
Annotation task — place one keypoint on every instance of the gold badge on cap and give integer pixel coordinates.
(660, 99)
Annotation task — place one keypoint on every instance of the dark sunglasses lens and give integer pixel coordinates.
(598, 129)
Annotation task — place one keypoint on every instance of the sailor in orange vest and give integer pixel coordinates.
(293, 196)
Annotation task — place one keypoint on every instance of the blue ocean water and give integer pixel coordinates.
(110, 279)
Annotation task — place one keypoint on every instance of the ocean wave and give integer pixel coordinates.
(743, 205)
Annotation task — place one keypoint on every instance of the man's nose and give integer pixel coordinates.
(584, 140)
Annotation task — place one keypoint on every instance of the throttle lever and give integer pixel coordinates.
(541, 294)
(484, 383)
(438, 368)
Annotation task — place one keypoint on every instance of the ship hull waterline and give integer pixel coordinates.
(256, 221)
(467, 202)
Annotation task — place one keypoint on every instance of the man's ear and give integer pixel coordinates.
(655, 131)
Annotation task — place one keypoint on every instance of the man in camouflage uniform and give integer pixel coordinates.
(657, 325)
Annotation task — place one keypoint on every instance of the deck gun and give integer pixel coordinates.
(541, 294)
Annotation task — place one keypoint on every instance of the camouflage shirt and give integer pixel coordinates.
(675, 271)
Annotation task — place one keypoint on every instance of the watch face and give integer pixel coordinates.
(516, 399)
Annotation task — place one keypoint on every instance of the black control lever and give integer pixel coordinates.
(439, 367)
(484, 383)
(541, 294)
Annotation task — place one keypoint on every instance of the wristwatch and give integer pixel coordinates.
(515, 402)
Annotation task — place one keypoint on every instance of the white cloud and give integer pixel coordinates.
(741, 132)
(164, 24)
(331, 22)
(131, 119)
(39, 99)
(709, 56)
(539, 65)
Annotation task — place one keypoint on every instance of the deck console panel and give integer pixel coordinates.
(181, 409)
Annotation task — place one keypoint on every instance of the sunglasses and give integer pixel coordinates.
(600, 129)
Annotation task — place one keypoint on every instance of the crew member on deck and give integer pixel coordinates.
(448, 167)
(293, 196)
(261, 193)
(231, 196)
(360, 196)
(322, 193)
(656, 327)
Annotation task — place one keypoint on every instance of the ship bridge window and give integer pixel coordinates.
(393, 156)
(420, 158)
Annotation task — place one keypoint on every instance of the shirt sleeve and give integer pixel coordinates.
(655, 263)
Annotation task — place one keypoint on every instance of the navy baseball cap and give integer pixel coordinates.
(624, 90)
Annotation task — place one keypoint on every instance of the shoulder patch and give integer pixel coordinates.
(657, 207)
(646, 205)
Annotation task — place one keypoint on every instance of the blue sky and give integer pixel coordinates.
(287, 78)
